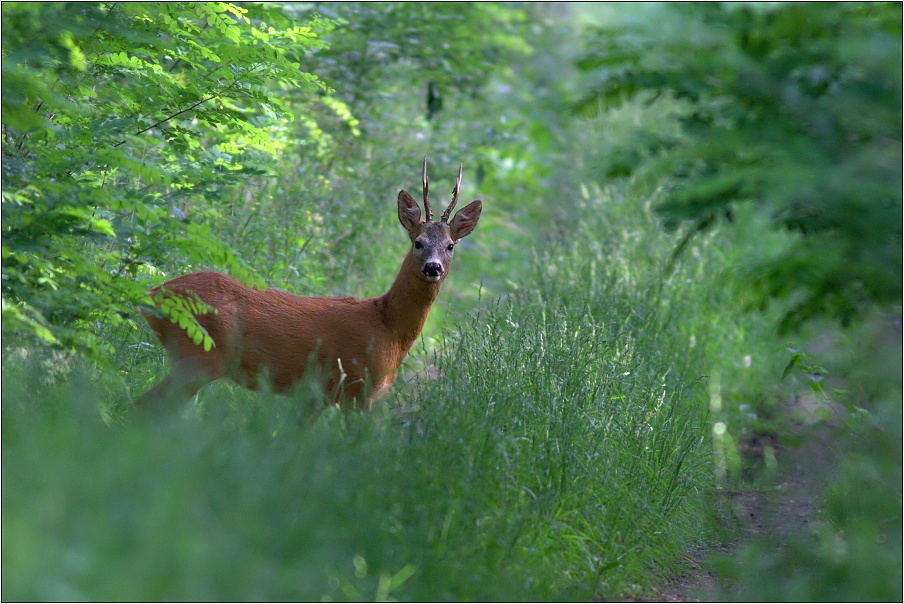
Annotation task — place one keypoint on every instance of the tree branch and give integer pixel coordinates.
(168, 118)
(180, 112)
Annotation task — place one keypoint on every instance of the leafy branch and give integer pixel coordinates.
(79, 251)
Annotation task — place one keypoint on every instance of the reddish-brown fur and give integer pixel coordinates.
(275, 335)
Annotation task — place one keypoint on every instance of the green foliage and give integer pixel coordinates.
(450, 51)
(794, 108)
(183, 308)
(787, 117)
(122, 123)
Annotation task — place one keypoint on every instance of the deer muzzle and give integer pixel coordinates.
(433, 271)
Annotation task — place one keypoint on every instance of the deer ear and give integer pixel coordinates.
(465, 220)
(409, 212)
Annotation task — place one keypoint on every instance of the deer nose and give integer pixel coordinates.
(433, 269)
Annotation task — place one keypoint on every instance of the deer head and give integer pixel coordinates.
(433, 243)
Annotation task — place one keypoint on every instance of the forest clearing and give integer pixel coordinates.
(664, 365)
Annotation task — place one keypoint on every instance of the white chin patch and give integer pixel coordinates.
(432, 278)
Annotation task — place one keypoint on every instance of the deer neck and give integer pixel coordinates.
(407, 303)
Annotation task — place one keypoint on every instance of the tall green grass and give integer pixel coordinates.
(556, 447)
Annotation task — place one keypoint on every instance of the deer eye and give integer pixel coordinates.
(418, 245)
(450, 247)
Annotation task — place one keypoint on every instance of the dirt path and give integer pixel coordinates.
(786, 505)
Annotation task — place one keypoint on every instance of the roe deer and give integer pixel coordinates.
(358, 344)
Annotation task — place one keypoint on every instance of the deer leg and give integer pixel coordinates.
(186, 377)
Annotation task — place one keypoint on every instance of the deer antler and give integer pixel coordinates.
(445, 217)
(426, 199)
